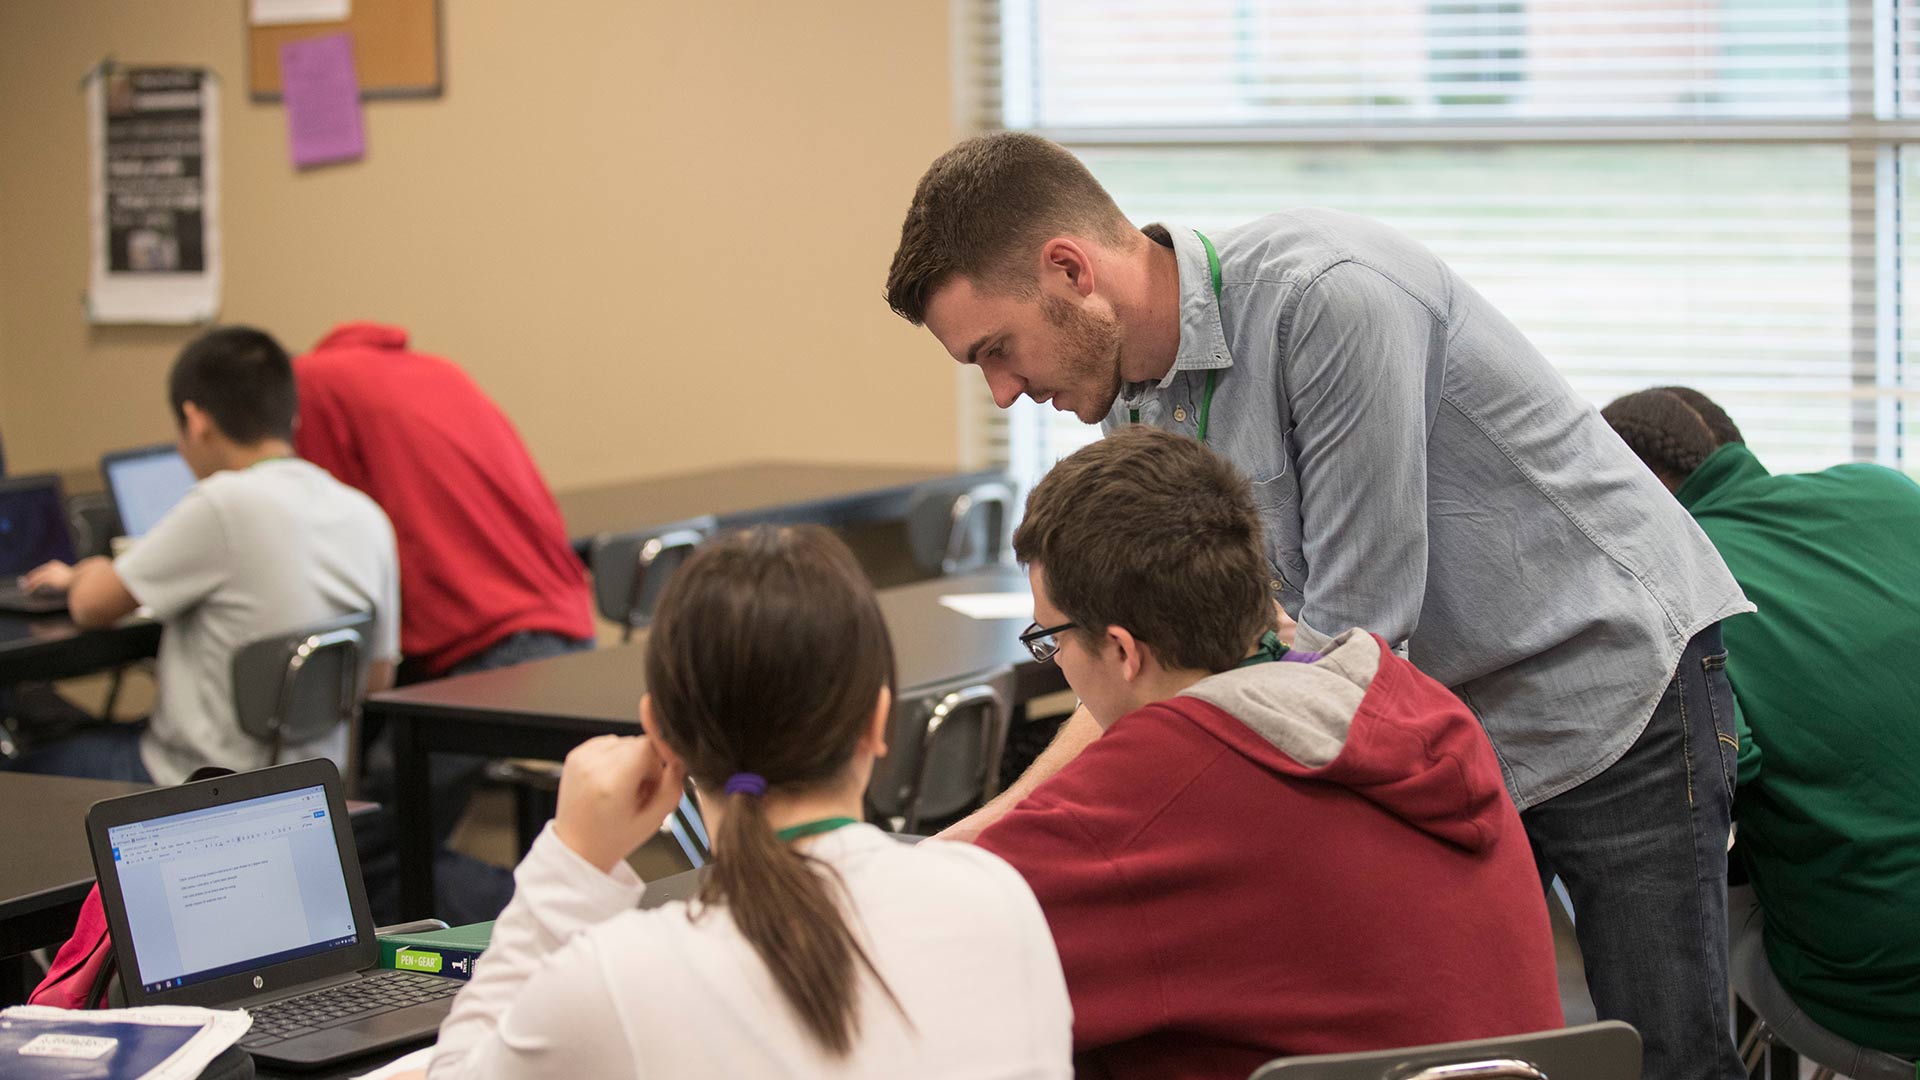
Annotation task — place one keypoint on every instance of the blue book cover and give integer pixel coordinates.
(39, 1043)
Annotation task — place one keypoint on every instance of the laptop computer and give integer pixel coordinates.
(244, 891)
(145, 483)
(33, 530)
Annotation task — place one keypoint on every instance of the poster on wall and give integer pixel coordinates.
(155, 202)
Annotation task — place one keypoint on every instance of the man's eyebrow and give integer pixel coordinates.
(975, 347)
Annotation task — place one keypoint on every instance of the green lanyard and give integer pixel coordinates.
(1206, 398)
(813, 828)
(1271, 648)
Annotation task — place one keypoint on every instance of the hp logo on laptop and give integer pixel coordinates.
(258, 982)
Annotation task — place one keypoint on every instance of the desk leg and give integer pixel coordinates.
(414, 819)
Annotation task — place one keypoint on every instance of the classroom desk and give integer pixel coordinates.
(777, 492)
(545, 708)
(41, 648)
(47, 870)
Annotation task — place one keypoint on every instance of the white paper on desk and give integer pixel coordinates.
(991, 605)
(419, 1059)
(279, 12)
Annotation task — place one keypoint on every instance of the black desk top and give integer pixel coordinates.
(741, 494)
(588, 690)
(47, 864)
(46, 647)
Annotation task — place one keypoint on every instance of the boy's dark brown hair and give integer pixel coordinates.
(985, 207)
(1152, 531)
(766, 655)
(1671, 428)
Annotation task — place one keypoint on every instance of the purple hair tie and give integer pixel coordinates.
(746, 783)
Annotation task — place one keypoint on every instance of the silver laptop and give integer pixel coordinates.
(145, 484)
(244, 892)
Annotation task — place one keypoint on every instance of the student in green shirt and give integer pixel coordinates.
(1826, 678)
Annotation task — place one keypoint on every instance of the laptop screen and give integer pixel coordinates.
(33, 526)
(146, 486)
(231, 888)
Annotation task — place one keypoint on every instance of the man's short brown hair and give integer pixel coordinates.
(985, 205)
(1152, 531)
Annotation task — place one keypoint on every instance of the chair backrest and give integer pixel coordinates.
(94, 523)
(296, 686)
(943, 750)
(954, 526)
(1609, 1050)
(630, 569)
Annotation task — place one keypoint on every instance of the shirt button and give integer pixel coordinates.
(1274, 584)
(1180, 415)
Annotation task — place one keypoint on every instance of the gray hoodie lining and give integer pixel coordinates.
(1303, 710)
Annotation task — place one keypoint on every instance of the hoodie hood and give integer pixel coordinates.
(363, 335)
(1366, 720)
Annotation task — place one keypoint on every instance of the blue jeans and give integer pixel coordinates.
(106, 753)
(1642, 849)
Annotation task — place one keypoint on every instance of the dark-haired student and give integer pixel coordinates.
(818, 946)
(1267, 851)
(265, 543)
(1828, 688)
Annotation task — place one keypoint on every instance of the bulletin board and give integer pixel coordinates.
(396, 49)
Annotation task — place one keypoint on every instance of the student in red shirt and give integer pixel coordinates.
(487, 575)
(1266, 852)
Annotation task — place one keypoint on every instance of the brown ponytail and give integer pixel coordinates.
(1671, 428)
(766, 655)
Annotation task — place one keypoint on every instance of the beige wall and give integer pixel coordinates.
(656, 232)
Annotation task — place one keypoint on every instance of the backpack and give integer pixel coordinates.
(83, 974)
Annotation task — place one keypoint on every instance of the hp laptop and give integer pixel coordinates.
(145, 484)
(33, 529)
(244, 891)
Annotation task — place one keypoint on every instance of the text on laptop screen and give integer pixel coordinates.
(232, 888)
(33, 528)
(146, 487)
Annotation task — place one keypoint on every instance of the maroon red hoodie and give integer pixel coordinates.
(483, 551)
(1288, 858)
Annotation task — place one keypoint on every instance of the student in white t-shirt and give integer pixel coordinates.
(818, 946)
(264, 544)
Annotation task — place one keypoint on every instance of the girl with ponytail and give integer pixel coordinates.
(817, 945)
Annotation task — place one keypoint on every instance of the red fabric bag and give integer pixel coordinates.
(84, 967)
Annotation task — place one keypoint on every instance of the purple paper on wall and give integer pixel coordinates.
(322, 94)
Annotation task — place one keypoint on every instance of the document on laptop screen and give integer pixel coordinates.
(231, 888)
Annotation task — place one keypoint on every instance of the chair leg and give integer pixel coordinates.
(1754, 1046)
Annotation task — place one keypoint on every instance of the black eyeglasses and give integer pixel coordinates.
(1040, 642)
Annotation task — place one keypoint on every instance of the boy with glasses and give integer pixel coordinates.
(1267, 852)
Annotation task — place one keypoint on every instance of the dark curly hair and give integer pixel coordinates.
(1672, 428)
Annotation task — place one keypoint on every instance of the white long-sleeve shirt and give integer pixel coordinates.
(577, 984)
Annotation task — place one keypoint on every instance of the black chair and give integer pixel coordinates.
(297, 686)
(630, 569)
(943, 751)
(954, 526)
(1609, 1050)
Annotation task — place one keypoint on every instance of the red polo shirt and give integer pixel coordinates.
(483, 550)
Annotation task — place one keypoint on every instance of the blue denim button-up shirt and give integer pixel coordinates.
(1423, 472)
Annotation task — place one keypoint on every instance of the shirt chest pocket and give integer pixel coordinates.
(1276, 497)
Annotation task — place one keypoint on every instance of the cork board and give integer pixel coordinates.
(396, 49)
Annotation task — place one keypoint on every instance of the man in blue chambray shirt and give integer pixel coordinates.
(1421, 472)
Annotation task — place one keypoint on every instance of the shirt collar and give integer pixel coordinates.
(1731, 464)
(1203, 340)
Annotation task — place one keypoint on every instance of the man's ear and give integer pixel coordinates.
(651, 726)
(1066, 261)
(1134, 653)
(195, 422)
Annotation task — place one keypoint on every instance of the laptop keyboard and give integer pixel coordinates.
(336, 1005)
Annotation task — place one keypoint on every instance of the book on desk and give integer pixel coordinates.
(448, 953)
